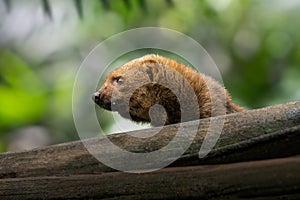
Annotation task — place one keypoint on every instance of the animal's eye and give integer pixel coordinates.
(118, 81)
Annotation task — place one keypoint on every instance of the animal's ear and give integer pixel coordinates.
(149, 71)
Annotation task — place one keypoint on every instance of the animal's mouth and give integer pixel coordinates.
(101, 101)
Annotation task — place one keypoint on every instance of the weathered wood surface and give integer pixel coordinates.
(268, 179)
(279, 124)
(70, 171)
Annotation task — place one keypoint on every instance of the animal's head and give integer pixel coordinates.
(129, 90)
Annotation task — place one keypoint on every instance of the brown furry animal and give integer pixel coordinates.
(162, 91)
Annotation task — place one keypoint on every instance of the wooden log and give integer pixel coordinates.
(268, 179)
(276, 125)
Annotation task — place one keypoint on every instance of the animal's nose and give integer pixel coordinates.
(96, 97)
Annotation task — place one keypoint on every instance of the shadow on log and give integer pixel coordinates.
(70, 171)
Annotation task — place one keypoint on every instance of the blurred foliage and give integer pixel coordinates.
(15, 101)
(255, 44)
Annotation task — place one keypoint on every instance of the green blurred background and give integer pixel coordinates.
(255, 44)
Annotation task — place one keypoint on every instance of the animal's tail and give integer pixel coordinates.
(232, 108)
